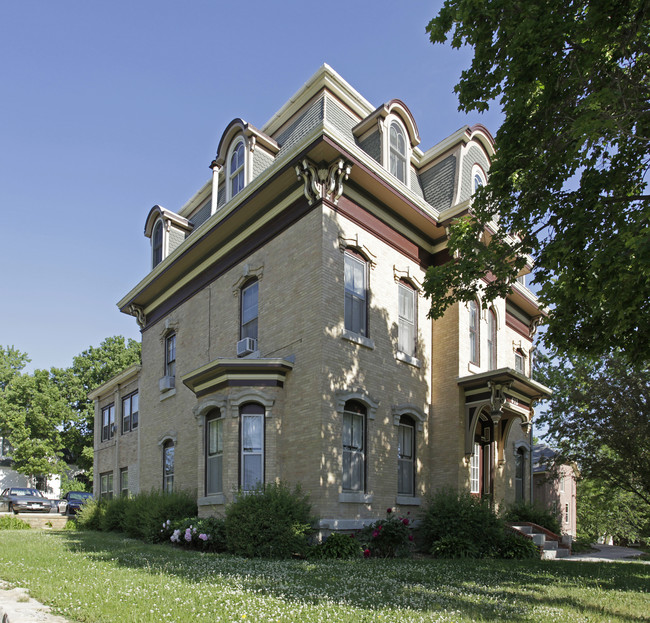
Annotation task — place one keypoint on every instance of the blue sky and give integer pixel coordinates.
(108, 108)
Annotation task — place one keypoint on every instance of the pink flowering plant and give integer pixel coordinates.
(207, 534)
(388, 538)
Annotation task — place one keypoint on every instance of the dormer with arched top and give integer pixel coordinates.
(167, 230)
(244, 152)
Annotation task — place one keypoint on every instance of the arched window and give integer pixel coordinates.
(519, 361)
(356, 288)
(492, 340)
(406, 456)
(474, 332)
(249, 310)
(168, 466)
(214, 453)
(157, 244)
(354, 446)
(236, 172)
(407, 328)
(519, 475)
(397, 151)
(478, 178)
(251, 423)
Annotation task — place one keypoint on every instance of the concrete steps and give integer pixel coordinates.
(549, 544)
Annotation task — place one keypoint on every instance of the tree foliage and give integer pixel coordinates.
(573, 81)
(599, 417)
(46, 416)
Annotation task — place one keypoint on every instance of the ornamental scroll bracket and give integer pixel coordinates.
(138, 312)
(534, 324)
(497, 399)
(323, 181)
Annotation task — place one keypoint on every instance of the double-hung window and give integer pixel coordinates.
(354, 447)
(236, 169)
(249, 310)
(492, 340)
(168, 466)
(475, 470)
(106, 486)
(170, 355)
(214, 455)
(124, 482)
(252, 446)
(473, 333)
(108, 422)
(405, 457)
(397, 150)
(157, 244)
(356, 295)
(130, 413)
(519, 362)
(406, 315)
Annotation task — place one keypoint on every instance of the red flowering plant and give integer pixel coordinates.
(388, 538)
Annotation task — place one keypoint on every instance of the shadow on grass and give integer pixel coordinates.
(487, 590)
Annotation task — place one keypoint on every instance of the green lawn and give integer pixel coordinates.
(87, 576)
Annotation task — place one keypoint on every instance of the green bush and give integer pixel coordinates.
(145, 513)
(272, 521)
(112, 519)
(451, 519)
(517, 546)
(89, 516)
(207, 534)
(534, 513)
(9, 522)
(387, 538)
(337, 545)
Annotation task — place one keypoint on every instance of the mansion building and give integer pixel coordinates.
(285, 334)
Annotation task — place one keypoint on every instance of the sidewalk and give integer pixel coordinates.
(16, 606)
(609, 553)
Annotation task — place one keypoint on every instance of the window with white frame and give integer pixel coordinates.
(157, 244)
(108, 422)
(492, 340)
(214, 454)
(474, 334)
(397, 152)
(249, 310)
(356, 294)
(354, 444)
(170, 355)
(168, 466)
(478, 177)
(407, 299)
(519, 475)
(406, 456)
(475, 470)
(130, 412)
(236, 169)
(252, 446)
(106, 485)
(124, 482)
(566, 513)
(519, 361)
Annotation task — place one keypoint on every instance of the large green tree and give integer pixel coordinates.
(570, 174)
(599, 418)
(12, 361)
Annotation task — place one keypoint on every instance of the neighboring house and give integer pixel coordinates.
(555, 486)
(9, 477)
(285, 332)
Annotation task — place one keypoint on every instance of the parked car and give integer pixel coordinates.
(75, 500)
(20, 499)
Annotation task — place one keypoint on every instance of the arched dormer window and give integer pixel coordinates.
(236, 169)
(397, 152)
(478, 178)
(157, 244)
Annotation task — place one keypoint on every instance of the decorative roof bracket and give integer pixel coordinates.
(323, 181)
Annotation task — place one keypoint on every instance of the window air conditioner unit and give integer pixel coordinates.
(246, 346)
(166, 383)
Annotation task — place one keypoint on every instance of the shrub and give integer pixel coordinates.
(534, 513)
(112, 518)
(146, 512)
(208, 534)
(337, 545)
(517, 546)
(9, 522)
(272, 521)
(387, 538)
(452, 519)
(89, 516)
